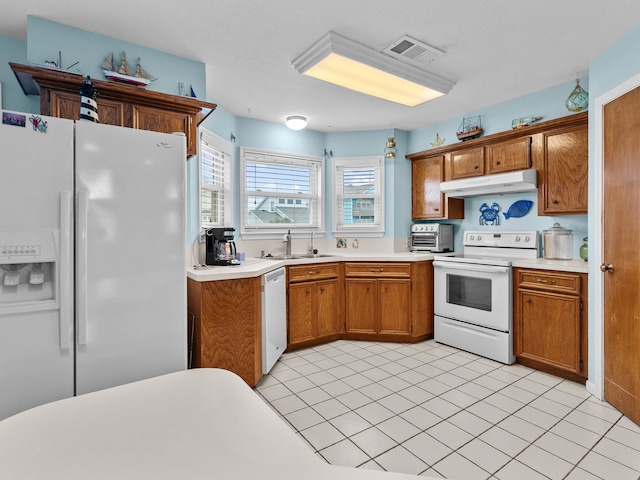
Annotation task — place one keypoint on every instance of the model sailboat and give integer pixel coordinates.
(123, 73)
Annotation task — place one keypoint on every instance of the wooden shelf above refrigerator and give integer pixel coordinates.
(118, 104)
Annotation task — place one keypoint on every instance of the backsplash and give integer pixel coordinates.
(473, 212)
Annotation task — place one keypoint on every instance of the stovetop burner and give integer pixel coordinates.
(496, 247)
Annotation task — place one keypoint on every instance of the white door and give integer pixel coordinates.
(36, 308)
(130, 255)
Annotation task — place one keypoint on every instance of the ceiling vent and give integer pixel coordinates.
(413, 51)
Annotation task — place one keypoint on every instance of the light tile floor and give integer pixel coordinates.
(434, 410)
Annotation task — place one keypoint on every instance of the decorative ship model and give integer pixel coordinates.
(123, 73)
(470, 128)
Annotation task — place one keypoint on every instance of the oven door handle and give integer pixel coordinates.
(471, 267)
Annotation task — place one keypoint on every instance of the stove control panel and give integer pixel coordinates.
(502, 239)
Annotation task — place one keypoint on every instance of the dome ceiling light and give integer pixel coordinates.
(296, 122)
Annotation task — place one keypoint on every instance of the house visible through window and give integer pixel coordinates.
(358, 187)
(215, 180)
(280, 192)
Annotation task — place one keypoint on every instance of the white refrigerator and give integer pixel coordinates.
(92, 258)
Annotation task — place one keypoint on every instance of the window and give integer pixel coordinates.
(215, 180)
(358, 185)
(280, 191)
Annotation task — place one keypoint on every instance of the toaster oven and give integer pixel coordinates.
(431, 237)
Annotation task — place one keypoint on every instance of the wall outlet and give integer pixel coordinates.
(354, 243)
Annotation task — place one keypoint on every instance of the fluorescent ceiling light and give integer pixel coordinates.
(341, 61)
(296, 122)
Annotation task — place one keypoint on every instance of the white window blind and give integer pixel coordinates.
(215, 180)
(281, 191)
(359, 191)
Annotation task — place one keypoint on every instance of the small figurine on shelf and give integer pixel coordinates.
(88, 104)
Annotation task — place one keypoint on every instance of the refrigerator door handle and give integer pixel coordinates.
(66, 260)
(81, 268)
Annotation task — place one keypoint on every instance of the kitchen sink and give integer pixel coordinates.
(298, 256)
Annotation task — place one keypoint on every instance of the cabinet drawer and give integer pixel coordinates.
(315, 271)
(552, 281)
(394, 270)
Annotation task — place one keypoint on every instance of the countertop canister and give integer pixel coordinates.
(558, 243)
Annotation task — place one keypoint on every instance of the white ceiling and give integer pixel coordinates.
(496, 50)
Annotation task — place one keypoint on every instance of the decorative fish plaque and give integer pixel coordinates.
(518, 209)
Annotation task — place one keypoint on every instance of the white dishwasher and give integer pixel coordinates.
(274, 317)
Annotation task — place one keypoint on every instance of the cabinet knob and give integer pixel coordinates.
(554, 201)
(322, 289)
(606, 268)
(475, 167)
(498, 162)
(308, 291)
(528, 300)
(437, 209)
(545, 281)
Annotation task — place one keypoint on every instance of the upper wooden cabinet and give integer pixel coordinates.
(467, 163)
(557, 149)
(508, 156)
(427, 201)
(118, 104)
(562, 160)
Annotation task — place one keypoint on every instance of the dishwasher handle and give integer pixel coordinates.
(275, 275)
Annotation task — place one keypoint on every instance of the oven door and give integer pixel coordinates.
(473, 293)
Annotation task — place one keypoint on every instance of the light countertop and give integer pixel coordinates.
(253, 267)
(577, 265)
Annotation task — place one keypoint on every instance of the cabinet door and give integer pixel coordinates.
(159, 120)
(395, 306)
(427, 199)
(467, 163)
(301, 311)
(565, 172)
(549, 329)
(328, 321)
(508, 156)
(361, 305)
(67, 105)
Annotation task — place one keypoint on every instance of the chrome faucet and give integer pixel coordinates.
(287, 240)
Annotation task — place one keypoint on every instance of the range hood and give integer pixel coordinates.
(511, 182)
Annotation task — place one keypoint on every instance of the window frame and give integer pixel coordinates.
(225, 148)
(376, 229)
(275, 230)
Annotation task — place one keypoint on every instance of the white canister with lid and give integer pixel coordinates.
(558, 243)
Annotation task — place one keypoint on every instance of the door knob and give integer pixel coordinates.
(606, 268)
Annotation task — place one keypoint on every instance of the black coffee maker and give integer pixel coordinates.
(220, 248)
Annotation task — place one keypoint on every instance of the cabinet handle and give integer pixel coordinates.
(313, 272)
(436, 209)
(308, 291)
(475, 167)
(322, 289)
(528, 300)
(498, 163)
(554, 201)
(544, 280)
(377, 270)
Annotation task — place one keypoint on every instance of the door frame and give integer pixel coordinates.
(595, 384)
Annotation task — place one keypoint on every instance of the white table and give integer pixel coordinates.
(196, 424)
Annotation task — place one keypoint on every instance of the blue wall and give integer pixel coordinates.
(13, 98)
(46, 38)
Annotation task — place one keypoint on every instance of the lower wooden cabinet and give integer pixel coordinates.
(227, 326)
(550, 322)
(314, 304)
(387, 301)
(378, 306)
